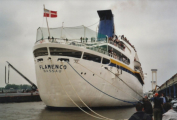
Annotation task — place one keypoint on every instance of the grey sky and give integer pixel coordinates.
(149, 25)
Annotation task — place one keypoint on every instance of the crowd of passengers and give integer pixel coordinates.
(127, 41)
(116, 42)
(118, 57)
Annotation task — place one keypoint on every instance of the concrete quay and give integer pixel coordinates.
(19, 97)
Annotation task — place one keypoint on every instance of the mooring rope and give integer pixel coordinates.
(81, 99)
(100, 90)
(107, 81)
(73, 100)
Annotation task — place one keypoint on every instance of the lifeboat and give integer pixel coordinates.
(137, 64)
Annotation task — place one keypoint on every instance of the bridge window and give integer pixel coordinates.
(105, 61)
(40, 52)
(65, 52)
(92, 57)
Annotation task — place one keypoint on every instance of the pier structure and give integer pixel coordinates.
(169, 87)
(154, 83)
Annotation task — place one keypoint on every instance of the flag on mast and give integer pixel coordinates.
(49, 13)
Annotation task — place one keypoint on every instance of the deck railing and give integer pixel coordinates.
(91, 45)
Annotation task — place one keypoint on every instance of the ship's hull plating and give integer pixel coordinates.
(56, 79)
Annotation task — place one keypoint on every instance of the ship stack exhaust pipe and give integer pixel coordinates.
(106, 24)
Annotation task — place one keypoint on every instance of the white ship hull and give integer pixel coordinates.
(54, 85)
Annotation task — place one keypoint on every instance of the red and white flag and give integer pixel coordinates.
(48, 13)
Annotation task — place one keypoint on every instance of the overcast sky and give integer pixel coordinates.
(149, 25)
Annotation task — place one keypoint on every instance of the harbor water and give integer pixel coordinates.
(39, 111)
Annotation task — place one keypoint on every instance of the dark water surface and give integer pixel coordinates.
(39, 111)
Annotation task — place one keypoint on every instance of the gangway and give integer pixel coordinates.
(33, 86)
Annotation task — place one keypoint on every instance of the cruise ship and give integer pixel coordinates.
(76, 65)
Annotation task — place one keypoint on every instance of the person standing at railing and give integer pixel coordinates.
(110, 52)
(116, 36)
(115, 56)
(117, 41)
(118, 57)
(66, 40)
(81, 39)
(52, 39)
(109, 40)
(125, 39)
(114, 39)
(121, 58)
(122, 37)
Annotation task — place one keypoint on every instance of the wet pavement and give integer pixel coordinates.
(39, 111)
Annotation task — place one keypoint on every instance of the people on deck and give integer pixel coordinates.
(122, 37)
(86, 39)
(116, 37)
(81, 39)
(110, 51)
(116, 42)
(123, 59)
(115, 56)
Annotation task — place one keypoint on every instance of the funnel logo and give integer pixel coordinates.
(52, 68)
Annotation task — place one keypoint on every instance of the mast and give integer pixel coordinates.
(47, 22)
(62, 29)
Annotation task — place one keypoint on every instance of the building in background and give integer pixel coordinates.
(169, 87)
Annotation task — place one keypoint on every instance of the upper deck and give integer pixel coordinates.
(117, 48)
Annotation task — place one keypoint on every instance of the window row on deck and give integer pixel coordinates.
(78, 54)
(112, 52)
(69, 53)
